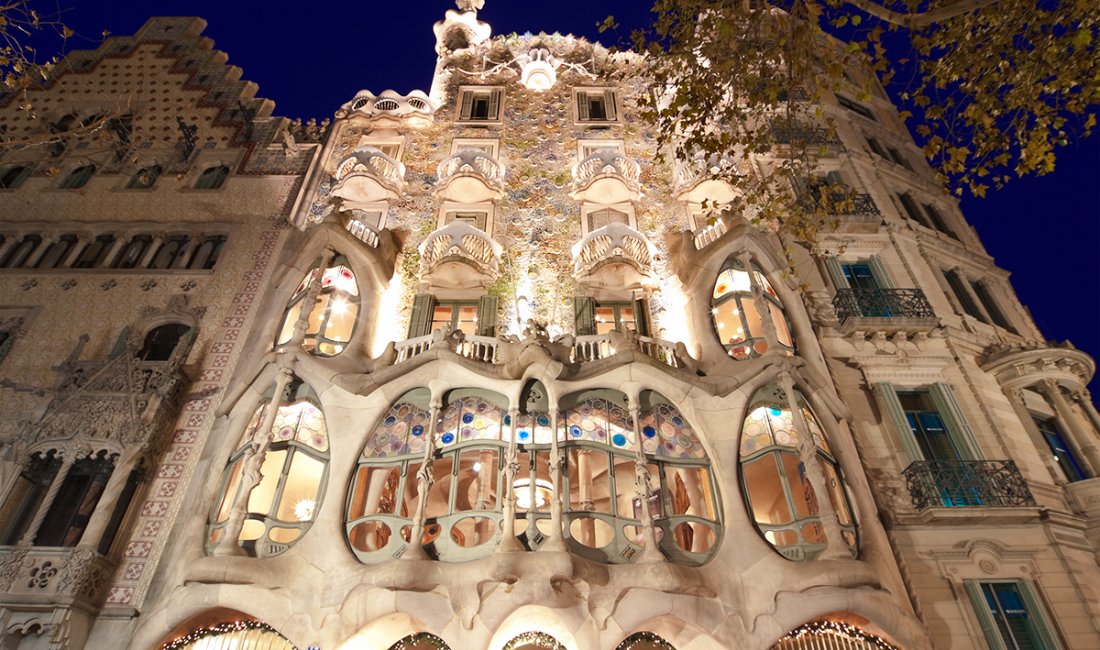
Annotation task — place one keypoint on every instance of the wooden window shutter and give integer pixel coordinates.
(878, 270)
(467, 104)
(494, 105)
(985, 617)
(836, 273)
(944, 399)
(487, 307)
(420, 322)
(641, 317)
(582, 106)
(889, 399)
(609, 104)
(584, 316)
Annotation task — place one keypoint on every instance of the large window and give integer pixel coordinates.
(1064, 455)
(212, 178)
(283, 505)
(479, 104)
(602, 510)
(1011, 616)
(737, 312)
(331, 317)
(782, 500)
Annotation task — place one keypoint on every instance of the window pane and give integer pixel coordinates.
(765, 489)
(477, 480)
(260, 501)
(230, 492)
(802, 493)
(441, 317)
(303, 480)
(467, 319)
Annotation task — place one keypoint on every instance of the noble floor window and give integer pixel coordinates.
(601, 508)
(1063, 453)
(596, 105)
(782, 500)
(26, 494)
(145, 178)
(283, 505)
(616, 317)
(935, 440)
(737, 312)
(19, 253)
(331, 317)
(455, 316)
(1011, 616)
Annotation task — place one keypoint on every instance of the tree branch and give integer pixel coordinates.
(920, 18)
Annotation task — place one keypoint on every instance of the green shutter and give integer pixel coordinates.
(878, 271)
(901, 423)
(609, 104)
(953, 419)
(494, 105)
(836, 273)
(582, 106)
(487, 316)
(584, 316)
(1036, 613)
(120, 343)
(641, 317)
(467, 105)
(985, 617)
(420, 322)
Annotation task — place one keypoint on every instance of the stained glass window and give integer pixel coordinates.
(332, 317)
(737, 313)
(284, 504)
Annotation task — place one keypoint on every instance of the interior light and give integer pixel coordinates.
(303, 509)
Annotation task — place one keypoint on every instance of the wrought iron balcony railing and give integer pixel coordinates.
(881, 303)
(966, 484)
(786, 133)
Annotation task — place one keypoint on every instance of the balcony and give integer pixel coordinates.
(459, 255)
(367, 177)
(470, 176)
(49, 576)
(967, 484)
(884, 310)
(606, 177)
(702, 180)
(797, 133)
(601, 346)
(390, 110)
(617, 250)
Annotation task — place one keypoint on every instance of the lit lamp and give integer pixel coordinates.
(538, 72)
(522, 489)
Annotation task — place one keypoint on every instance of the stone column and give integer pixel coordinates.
(183, 254)
(8, 244)
(252, 461)
(1016, 398)
(642, 488)
(807, 454)
(38, 252)
(69, 456)
(108, 500)
(555, 540)
(1071, 424)
(424, 480)
(154, 246)
(113, 251)
(1084, 399)
(584, 495)
(762, 307)
(508, 541)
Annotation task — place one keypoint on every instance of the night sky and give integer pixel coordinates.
(312, 57)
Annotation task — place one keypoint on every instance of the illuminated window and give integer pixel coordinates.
(240, 634)
(737, 312)
(479, 104)
(332, 317)
(596, 105)
(1011, 616)
(1064, 455)
(619, 317)
(283, 505)
(783, 503)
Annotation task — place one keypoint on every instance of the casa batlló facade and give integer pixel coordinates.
(468, 368)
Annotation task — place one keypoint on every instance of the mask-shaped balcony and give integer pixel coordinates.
(369, 176)
(700, 181)
(606, 177)
(470, 176)
(459, 255)
(615, 249)
(390, 110)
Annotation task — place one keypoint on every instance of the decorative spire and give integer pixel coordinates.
(470, 5)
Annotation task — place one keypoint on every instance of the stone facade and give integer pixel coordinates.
(645, 428)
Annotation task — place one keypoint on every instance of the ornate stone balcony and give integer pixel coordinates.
(470, 176)
(887, 310)
(701, 181)
(459, 255)
(615, 246)
(368, 176)
(606, 177)
(390, 109)
(50, 576)
(967, 484)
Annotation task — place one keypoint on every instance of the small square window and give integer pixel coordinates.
(479, 104)
(485, 146)
(596, 105)
(477, 219)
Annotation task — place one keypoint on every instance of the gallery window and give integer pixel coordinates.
(212, 178)
(283, 505)
(56, 252)
(1064, 455)
(17, 255)
(737, 313)
(132, 252)
(332, 316)
(784, 504)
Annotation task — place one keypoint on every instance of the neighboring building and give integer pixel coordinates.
(470, 370)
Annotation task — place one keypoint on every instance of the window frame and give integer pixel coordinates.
(464, 108)
(14, 182)
(611, 96)
(78, 177)
(1040, 624)
(216, 178)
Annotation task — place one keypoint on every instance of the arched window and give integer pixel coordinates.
(170, 252)
(212, 178)
(56, 252)
(332, 317)
(831, 634)
(737, 313)
(244, 634)
(420, 641)
(644, 641)
(533, 641)
(283, 505)
(781, 498)
(161, 341)
(20, 252)
(94, 252)
(463, 508)
(603, 512)
(13, 177)
(78, 178)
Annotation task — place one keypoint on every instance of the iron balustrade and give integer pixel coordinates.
(881, 303)
(966, 483)
(811, 135)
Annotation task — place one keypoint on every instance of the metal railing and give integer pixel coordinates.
(881, 303)
(966, 483)
(812, 135)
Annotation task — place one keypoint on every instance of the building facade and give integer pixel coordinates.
(470, 368)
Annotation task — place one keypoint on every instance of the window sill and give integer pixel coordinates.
(972, 516)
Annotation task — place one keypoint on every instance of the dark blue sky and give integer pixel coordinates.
(312, 57)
